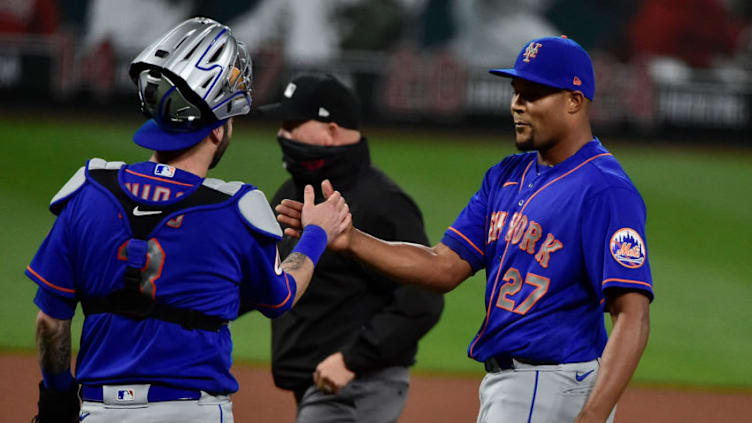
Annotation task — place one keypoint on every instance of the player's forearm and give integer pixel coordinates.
(406, 262)
(53, 343)
(301, 268)
(620, 358)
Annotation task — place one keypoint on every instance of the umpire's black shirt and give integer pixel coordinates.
(347, 308)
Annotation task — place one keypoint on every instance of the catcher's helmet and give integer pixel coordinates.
(190, 81)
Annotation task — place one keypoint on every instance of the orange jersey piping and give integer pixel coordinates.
(626, 281)
(51, 285)
(467, 240)
(284, 301)
(158, 179)
(522, 182)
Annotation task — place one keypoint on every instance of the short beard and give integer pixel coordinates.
(221, 148)
(526, 145)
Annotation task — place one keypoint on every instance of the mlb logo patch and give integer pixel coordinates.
(125, 395)
(627, 248)
(164, 170)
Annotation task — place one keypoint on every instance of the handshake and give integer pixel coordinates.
(332, 215)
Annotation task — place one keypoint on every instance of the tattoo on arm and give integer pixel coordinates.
(293, 262)
(54, 346)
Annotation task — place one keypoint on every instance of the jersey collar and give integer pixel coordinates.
(590, 149)
(161, 174)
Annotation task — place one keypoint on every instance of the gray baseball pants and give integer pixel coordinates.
(207, 409)
(374, 397)
(537, 393)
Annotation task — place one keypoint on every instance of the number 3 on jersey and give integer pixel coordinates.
(513, 286)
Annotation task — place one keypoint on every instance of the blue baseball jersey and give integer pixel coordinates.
(552, 241)
(202, 258)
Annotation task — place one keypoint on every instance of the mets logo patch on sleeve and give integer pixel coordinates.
(627, 248)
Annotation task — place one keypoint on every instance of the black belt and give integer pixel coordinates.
(499, 363)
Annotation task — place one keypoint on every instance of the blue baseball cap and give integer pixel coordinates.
(556, 62)
(157, 137)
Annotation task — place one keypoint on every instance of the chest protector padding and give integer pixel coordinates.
(136, 298)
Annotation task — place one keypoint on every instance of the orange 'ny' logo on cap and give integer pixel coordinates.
(531, 51)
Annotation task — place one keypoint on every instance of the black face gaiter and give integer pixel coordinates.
(311, 164)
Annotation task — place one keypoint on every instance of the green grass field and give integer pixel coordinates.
(699, 235)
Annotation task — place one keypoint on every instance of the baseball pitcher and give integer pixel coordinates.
(560, 233)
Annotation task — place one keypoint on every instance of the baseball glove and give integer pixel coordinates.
(57, 407)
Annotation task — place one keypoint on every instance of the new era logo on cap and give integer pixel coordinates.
(290, 90)
(323, 112)
(576, 81)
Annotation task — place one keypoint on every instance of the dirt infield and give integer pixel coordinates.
(432, 399)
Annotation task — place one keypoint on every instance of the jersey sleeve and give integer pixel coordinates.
(614, 243)
(267, 288)
(52, 269)
(55, 305)
(466, 235)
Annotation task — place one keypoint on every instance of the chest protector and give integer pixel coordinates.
(136, 299)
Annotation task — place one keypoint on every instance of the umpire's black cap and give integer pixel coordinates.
(316, 97)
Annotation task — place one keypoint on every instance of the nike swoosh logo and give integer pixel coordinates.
(137, 212)
(83, 416)
(581, 377)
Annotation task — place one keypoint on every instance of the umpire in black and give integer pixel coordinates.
(345, 349)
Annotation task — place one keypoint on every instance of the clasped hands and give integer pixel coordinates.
(332, 215)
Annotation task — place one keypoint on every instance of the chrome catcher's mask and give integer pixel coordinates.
(196, 75)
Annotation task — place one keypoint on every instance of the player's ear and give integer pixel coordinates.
(575, 101)
(217, 134)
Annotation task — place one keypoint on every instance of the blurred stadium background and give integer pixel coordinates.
(673, 100)
(663, 66)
